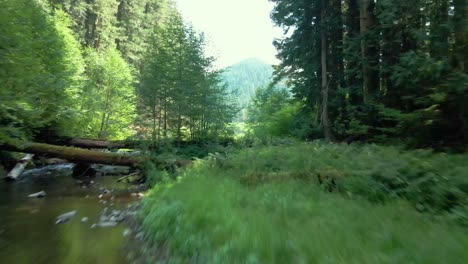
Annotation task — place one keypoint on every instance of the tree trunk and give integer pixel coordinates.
(165, 117)
(336, 44)
(105, 115)
(90, 143)
(460, 45)
(438, 30)
(154, 117)
(19, 168)
(352, 29)
(72, 154)
(90, 26)
(366, 22)
(159, 119)
(325, 82)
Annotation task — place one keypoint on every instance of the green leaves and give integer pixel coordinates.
(108, 98)
(396, 67)
(181, 95)
(272, 113)
(263, 205)
(40, 68)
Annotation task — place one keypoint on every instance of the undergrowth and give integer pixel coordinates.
(303, 204)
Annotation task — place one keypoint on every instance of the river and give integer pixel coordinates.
(28, 233)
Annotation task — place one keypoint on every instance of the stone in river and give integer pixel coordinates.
(127, 232)
(65, 217)
(40, 194)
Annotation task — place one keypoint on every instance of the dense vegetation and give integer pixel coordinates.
(245, 77)
(179, 88)
(390, 72)
(273, 204)
(106, 69)
(381, 70)
(387, 77)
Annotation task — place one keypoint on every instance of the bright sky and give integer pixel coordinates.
(235, 29)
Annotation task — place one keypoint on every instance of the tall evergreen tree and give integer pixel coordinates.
(40, 70)
(394, 69)
(179, 88)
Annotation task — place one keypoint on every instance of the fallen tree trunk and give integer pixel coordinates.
(73, 154)
(19, 168)
(128, 176)
(88, 143)
(94, 143)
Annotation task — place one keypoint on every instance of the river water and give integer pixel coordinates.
(28, 233)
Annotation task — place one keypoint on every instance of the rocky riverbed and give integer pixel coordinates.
(48, 216)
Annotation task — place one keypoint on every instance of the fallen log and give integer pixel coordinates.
(128, 176)
(19, 168)
(88, 143)
(94, 143)
(72, 154)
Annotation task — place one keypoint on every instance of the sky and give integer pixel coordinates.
(235, 29)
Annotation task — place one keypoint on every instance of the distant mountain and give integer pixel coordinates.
(246, 76)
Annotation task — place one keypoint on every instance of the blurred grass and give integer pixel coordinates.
(273, 205)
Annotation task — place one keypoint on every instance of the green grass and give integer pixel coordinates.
(265, 205)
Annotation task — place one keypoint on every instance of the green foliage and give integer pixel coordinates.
(93, 21)
(181, 96)
(273, 114)
(128, 23)
(107, 100)
(245, 77)
(40, 67)
(52, 85)
(431, 181)
(395, 68)
(263, 205)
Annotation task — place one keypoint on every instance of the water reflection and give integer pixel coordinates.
(28, 233)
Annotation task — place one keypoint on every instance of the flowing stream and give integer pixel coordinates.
(28, 233)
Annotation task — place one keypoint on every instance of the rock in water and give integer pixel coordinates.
(40, 194)
(127, 232)
(65, 217)
(104, 224)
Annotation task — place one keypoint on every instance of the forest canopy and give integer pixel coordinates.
(106, 69)
(355, 70)
(384, 71)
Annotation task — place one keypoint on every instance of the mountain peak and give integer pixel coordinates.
(251, 61)
(246, 76)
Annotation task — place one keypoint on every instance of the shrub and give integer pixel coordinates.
(210, 215)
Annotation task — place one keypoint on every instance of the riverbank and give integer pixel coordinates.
(312, 203)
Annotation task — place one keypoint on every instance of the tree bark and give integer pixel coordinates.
(19, 168)
(439, 34)
(72, 154)
(336, 44)
(325, 82)
(353, 81)
(154, 117)
(460, 45)
(89, 143)
(366, 22)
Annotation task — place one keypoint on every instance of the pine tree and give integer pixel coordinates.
(394, 68)
(40, 70)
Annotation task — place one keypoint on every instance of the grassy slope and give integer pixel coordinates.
(265, 206)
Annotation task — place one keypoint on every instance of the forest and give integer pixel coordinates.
(108, 70)
(353, 149)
